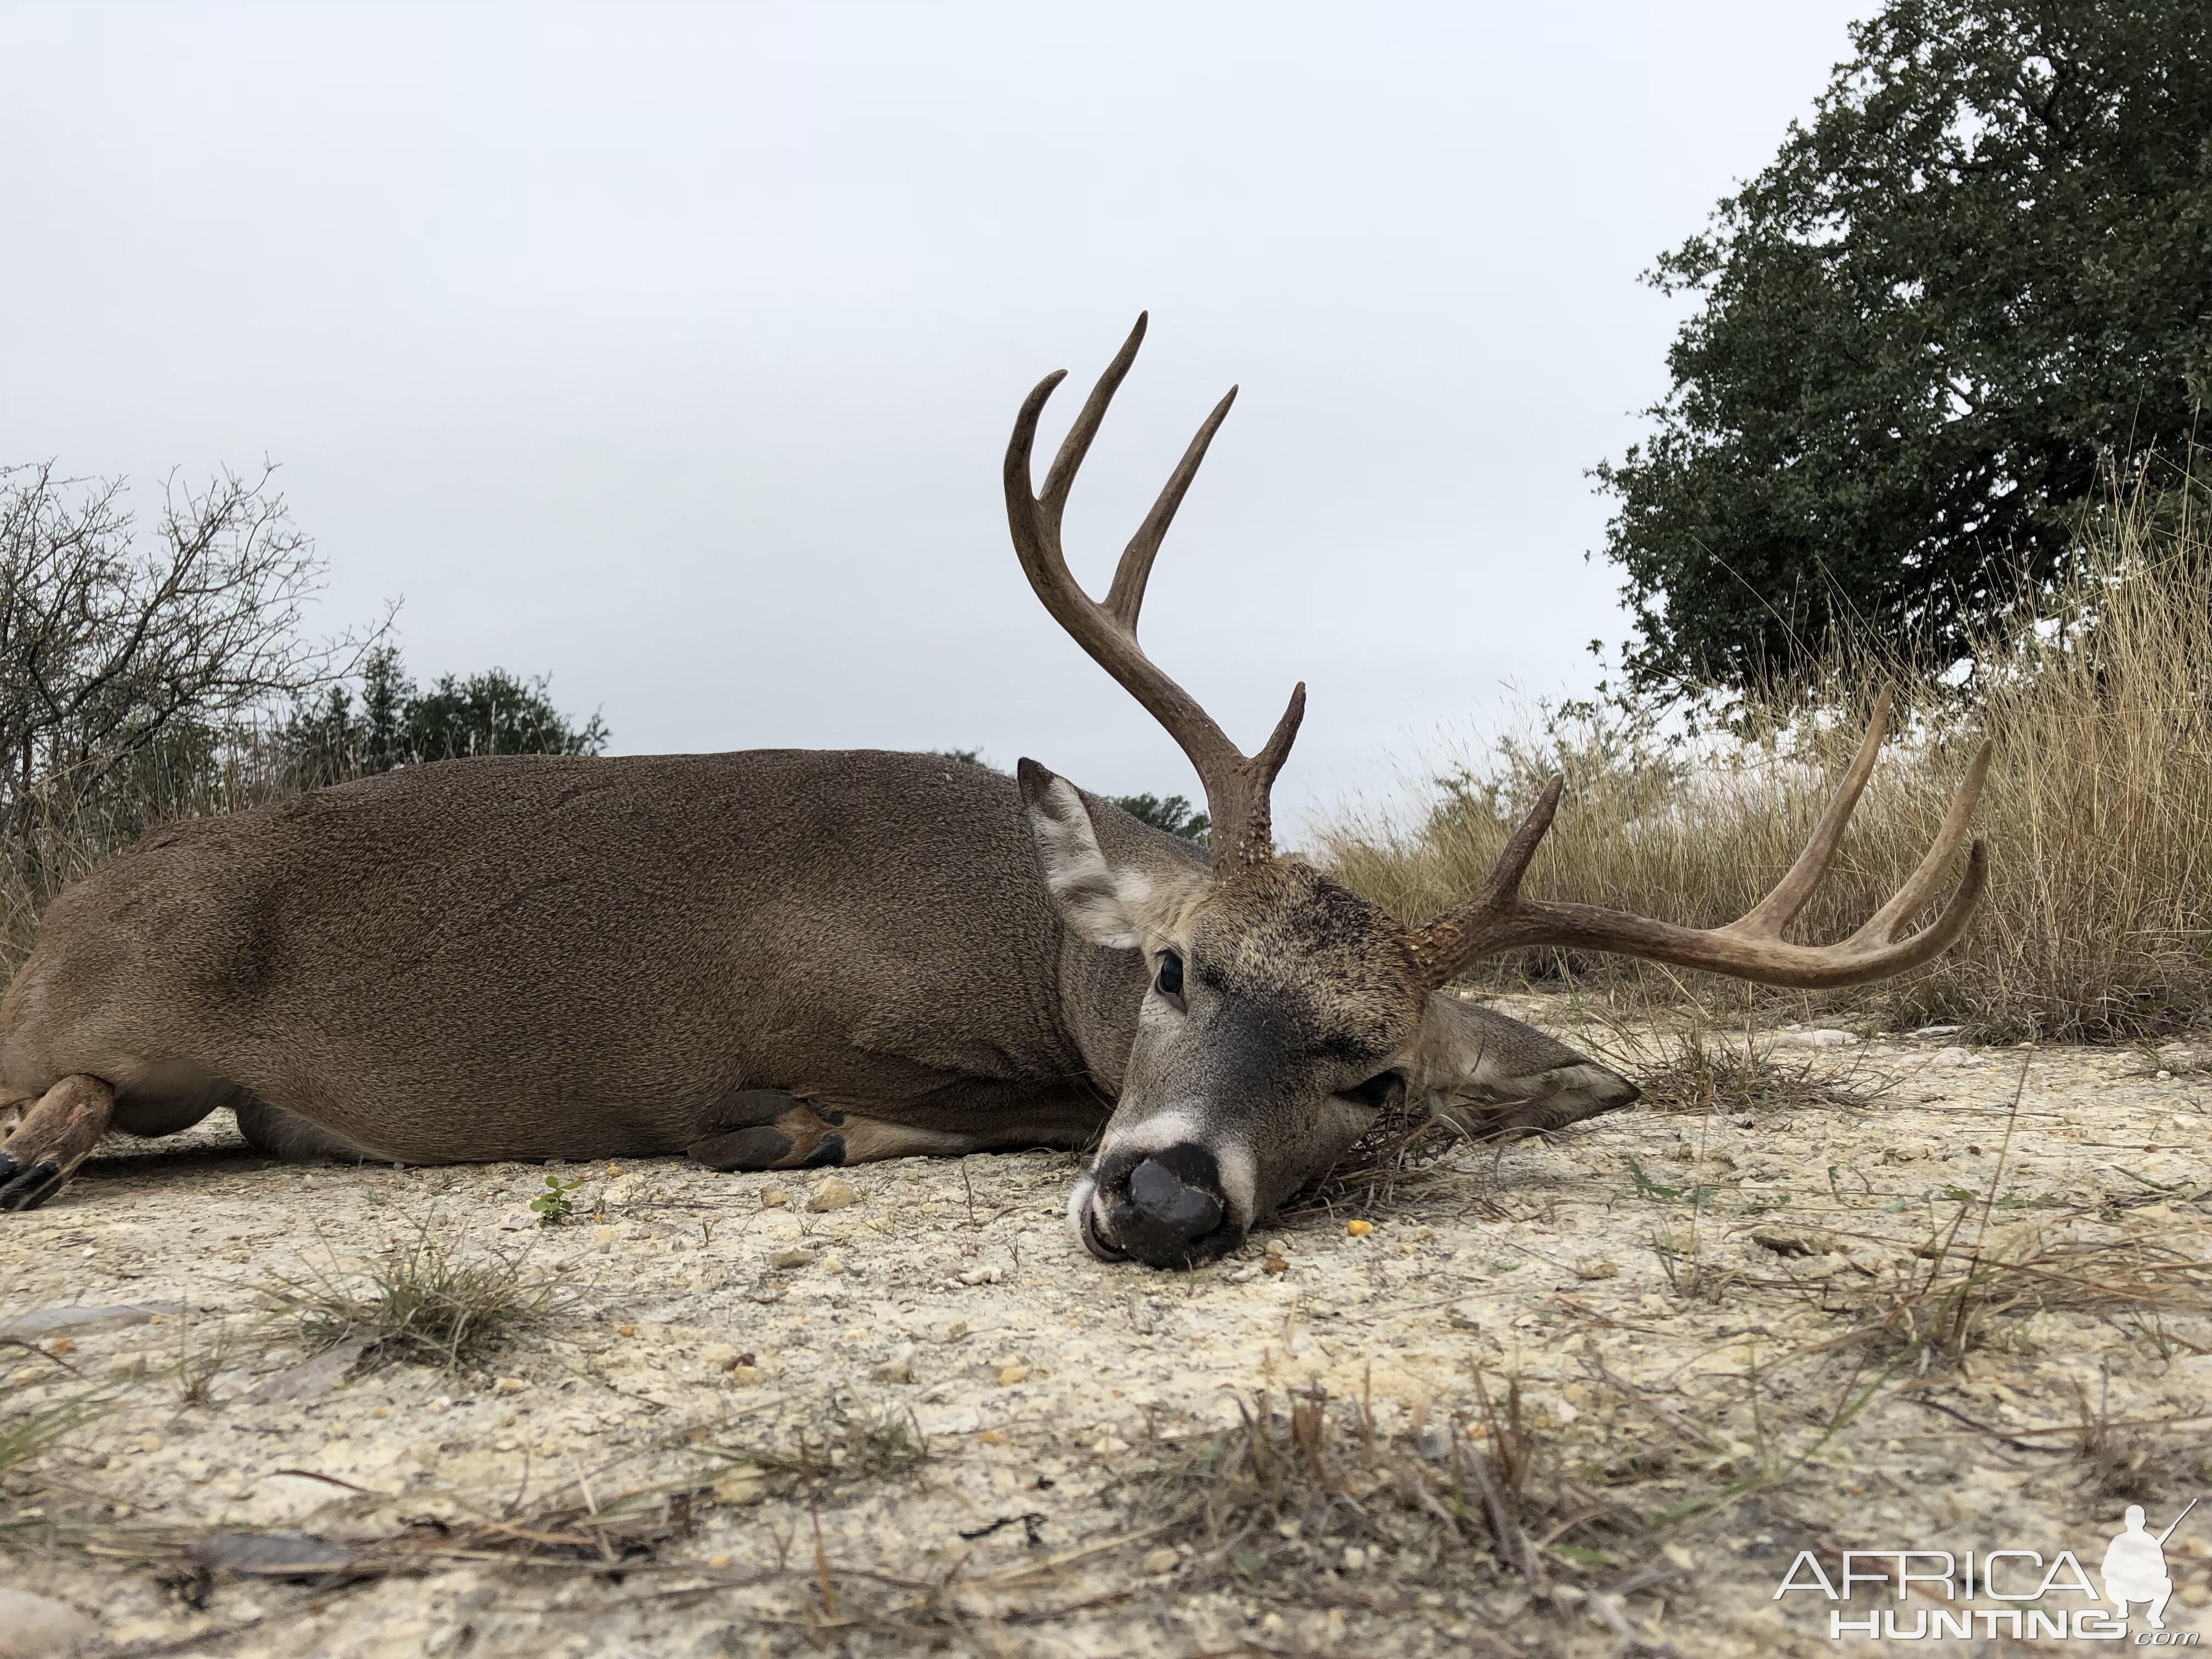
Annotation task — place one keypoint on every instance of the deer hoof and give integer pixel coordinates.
(769, 1129)
(31, 1188)
(54, 1137)
(760, 1148)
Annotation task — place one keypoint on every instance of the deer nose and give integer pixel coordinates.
(1168, 1209)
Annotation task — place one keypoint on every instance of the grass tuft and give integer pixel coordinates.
(1307, 1487)
(421, 1300)
(882, 1447)
(1955, 1299)
(28, 1428)
(1692, 1063)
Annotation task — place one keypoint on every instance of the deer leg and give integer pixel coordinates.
(55, 1136)
(770, 1129)
(296, 1139)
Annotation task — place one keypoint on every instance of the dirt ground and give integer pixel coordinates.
(1583, 1398)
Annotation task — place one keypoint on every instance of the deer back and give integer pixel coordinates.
(495, 957)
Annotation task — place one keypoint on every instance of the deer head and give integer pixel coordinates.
(1284, 1012)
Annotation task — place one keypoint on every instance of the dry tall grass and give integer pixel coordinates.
(2098, 810)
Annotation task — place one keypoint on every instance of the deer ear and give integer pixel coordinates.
(1492, 1074)
(1111, 899)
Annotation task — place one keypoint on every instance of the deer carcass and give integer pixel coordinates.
(781, 957)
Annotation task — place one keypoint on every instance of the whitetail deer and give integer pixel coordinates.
(782, 958)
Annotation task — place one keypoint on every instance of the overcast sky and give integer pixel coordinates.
(671, 351)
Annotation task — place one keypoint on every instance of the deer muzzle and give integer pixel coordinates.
(1167, 1207)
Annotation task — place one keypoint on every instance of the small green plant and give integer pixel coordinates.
(554, 1206)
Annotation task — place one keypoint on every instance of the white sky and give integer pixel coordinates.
(672, 350)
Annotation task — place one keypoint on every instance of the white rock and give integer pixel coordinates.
(33, 1625)
(76, 1321)
(743, 1484)
(1828, 1037)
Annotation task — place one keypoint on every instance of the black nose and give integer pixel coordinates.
(1167, 1208)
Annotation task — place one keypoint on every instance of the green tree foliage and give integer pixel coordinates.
(1173, 815)
(393, 723)
(1980, 275)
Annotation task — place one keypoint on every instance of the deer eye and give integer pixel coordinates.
(1378, 1091)
(1168, 983)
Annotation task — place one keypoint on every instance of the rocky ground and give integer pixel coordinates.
(1592, 1397)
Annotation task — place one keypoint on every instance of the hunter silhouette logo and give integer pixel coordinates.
(2135, 1567)
(2031, 1592)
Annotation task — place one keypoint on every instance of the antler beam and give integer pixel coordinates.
(1497, 919)
(1237, 785)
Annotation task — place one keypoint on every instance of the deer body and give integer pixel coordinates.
(782, 958)
(535, 957)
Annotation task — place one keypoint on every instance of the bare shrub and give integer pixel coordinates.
(1956, 1298)
(129, 658)
(841, 1445)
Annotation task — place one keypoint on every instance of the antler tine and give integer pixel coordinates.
(1780, 907)
(1882, 928)
(1060, 477)
(1504, 879)
(1277, 749)
(1444, 936)
(1496, 918)
(1125, 598)
(1236, 787)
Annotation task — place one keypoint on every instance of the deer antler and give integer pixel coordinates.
(1237, 785)
(1495, 918)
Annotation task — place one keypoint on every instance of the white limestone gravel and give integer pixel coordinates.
(1681, 1297)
